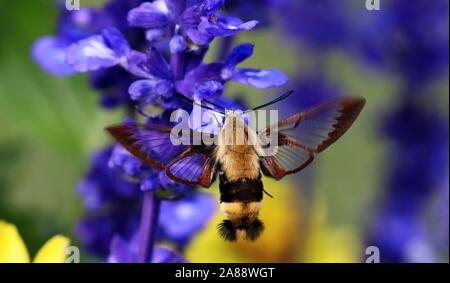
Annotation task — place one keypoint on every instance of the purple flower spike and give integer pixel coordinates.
(150, 183)
(196, 77)
(123, 251)
(171, 187)
(115, 41)
(224, 26)
(150, 15)
(50, 53)
(210, 7)
(177, 44)
(122, 161)
(165, 255)
(98, 51)
(150, 91)
(209, 89)
(260, 78)
(239, 54)
(157, 65)
(91, 54)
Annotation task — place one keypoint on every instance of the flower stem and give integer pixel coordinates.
(177, 59)
(149, 226)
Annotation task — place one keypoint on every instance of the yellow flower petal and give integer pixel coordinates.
(54, 250)
(12, 247)
(326, 244)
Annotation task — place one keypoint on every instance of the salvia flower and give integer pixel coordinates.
(418, 133)
(112, 196)
(50, 52)
(200, 22)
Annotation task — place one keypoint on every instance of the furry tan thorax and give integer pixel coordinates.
(235, 153)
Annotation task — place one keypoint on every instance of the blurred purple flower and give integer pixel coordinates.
(408, 37)
(123, 251)
(112, 205)
(50, 51)
(320, 24)
(199, 21)
(412, 40)
(260, 10)
(112, 197)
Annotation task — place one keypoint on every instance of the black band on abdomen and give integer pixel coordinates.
(242, 190)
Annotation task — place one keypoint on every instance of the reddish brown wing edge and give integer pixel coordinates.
(124, 135)
(349, 109)
(276, 171)
(208, 170)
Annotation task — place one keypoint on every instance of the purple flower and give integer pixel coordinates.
(123, 251)
(185, 217)
(396, 39)
(200, 21)
(112, 205)
(50, 52)
(98, 51)
(201, 80)
(160, 77)
(101, 185)
(112, 196)
(320, 24)
(205, 81)
(418, 134)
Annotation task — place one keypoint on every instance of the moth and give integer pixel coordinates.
(239, 166)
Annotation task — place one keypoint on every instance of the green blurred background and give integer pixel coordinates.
(49, 125)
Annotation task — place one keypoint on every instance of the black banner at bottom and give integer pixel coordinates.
(266, 272)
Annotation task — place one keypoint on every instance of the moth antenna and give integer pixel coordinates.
(190, 101)
(215, 104)
(283, 96)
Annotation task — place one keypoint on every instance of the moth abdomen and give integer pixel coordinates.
(240, 202)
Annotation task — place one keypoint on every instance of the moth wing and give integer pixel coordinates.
(306, 133)
(195, 166)
(154, 145)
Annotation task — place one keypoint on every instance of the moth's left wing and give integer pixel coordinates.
(181, 156)
(302, 135)
(196, 165)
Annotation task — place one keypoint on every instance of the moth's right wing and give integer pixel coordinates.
(185, 158)
(307, 133)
